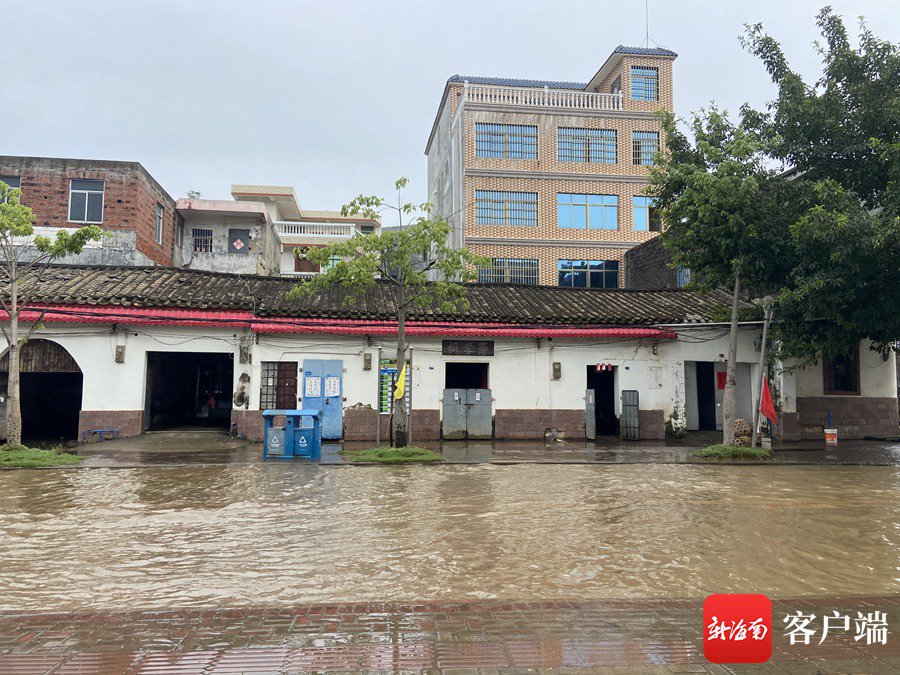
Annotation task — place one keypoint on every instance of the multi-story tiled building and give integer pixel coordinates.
(121, 197)
(549, 179)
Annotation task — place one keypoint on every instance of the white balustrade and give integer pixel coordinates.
(545, 98)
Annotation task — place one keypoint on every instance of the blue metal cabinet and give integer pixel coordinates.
(323, 389)
(301, 435)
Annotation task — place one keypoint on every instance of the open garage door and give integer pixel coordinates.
(50, 389)
(188, 389)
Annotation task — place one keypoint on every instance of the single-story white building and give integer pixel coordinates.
(137, 349)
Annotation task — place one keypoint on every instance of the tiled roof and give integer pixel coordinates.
(175, 287)
(644, 51)
(511, 82)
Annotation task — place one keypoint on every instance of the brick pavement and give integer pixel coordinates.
(483, 636)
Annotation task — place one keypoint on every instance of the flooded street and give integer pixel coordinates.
(283, 534)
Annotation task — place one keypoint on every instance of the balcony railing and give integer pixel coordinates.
(299, 275)
(541, 98)
(315, 230)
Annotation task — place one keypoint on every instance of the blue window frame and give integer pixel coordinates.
(498, 207)
(588, 273)
(646, 145)
(590, 146)
(684, 276)
(587, 212)
(644, 83)
(646, 217)
(509, 141)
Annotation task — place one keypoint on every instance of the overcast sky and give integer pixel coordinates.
(338, 97)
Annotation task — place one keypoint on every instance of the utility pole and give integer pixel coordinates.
(759, 380)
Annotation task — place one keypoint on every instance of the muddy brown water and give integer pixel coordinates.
(281, 534)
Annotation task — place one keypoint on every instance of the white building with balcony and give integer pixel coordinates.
(227, 236)
(299, 229)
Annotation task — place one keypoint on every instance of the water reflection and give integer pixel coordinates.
(283, 533)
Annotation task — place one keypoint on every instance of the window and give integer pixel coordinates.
(591, 146)
(842, 374)
(202, 240)
(646, 216)
(589, 273)
(332, 261)
(159, 223)
(616, 86)
(644, 83)
(366, 229)
(12, 182)
(387, 378)
(509, 141)
(509, 271)
(179, 232)
(684, 276)
(85, 201)
(646, 145)
(496, 207)
(591, 212)
(278, 385)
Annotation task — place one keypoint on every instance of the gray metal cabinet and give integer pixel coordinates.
(467, 413)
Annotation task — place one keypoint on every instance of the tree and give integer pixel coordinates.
(24, 261)
(727, 216)
(842, 135)
(414, 259)
(192, 194)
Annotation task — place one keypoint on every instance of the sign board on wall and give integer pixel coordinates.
(467, 347)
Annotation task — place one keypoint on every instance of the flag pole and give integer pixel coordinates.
(759, 379)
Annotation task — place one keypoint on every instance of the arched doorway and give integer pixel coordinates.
(50, 390)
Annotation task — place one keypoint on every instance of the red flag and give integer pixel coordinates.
(766, 405)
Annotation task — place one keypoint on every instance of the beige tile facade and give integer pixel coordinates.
(546, 175)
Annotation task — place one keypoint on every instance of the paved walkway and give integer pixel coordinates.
(488, 636)
(193, 447)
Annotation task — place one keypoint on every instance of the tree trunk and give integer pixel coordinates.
(729, 405)
(401, 423)
(13, 409)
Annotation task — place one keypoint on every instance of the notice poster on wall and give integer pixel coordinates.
(332, 386)
(312, 387)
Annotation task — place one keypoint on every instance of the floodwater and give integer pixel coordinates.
(283, 534)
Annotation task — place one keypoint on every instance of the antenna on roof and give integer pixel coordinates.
(647, 23)
(647, 38)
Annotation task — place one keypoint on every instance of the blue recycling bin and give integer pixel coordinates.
(301, 435)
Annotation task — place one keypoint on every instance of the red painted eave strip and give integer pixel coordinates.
(169, 316)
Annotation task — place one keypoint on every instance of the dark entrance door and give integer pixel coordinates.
(706, 395)
(187, 389)
(466, 376)
(603, 382)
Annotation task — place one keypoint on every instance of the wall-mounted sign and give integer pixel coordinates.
(467, 347)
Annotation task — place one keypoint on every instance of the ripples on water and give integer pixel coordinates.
(278, 534)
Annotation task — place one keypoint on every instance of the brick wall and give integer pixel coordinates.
(128, 422)
(647, 267)
(129, 200)
(853, 416)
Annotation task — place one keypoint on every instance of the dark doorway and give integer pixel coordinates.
(706, 395)
(188, 389)
(51, 404)
(603, 382)
(466, 376)
(50, 388)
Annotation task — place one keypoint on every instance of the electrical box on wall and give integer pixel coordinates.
(120, 353)
(367, 361)
(557, 370)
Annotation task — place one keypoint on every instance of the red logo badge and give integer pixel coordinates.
(737, 628)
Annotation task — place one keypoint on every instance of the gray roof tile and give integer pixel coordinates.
(506, 303)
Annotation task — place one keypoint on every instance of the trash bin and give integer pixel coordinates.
(301, 435)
